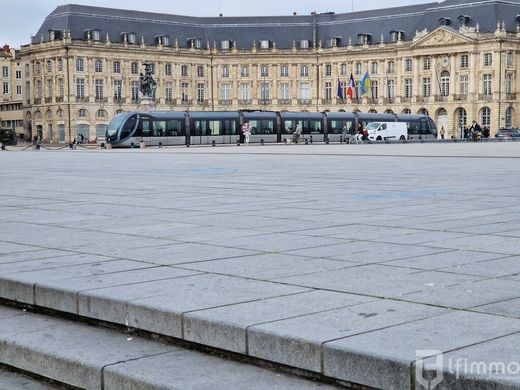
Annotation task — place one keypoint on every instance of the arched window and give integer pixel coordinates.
(406, 111)
(388, 111)
(423, 111)
(102, 114)
(509, 117)
(462, 117)
(445, 83)
(59, 113)
(486, 116)
(372, 111)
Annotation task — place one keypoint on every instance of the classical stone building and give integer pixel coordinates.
(12, 81)
(455, 60)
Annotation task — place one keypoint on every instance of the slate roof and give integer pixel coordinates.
(280, 29)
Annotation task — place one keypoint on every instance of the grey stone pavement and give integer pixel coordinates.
(345, 260)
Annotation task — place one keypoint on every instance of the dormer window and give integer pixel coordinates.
(445, 21)
(333, 41)
(364, 39)
(93, 35)
(225, 45)
(129, 37)
(54, 34)
(463, 20)
(162, 40)
(304, 44)
(265, 44)
(196, 43)
(396, 35)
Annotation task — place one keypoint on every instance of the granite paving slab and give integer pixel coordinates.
(298, 341)
(227, 327)
(391, 351)
(15, 381)
(448, 258)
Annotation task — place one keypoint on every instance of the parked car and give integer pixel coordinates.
(508, 133)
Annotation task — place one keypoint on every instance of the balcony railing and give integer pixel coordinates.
(48, 100)
(510, 96)
(304, 101)
(485, 96)
(83, 99)
(119, 99)
(187, 101)
(136, 100)
(37, 100)
(245, 101)
(170, 101)
(284, 101)
(440, 98)
(59, 99)
(101, 100)
(389, 100)
(460, 97)
(326, 101)
(225, 102)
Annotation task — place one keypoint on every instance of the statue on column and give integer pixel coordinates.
(147, 84)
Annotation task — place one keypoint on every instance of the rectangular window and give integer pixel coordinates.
(18, 89)
(343, 70)
(200, 71)
(185, 92)
(328, 70)
(427, 86)
(135, 91)
(264, 71)
(244, 71)
(358, 68)
(225, 90)
(49, 66)
(168, 69)
(509, 59)
(284, 91)
(488, 59)
(427, 64)
(80, 65)
(391, 89)
(18, 75)
(486, 87)
(5, 72)
(304, 71)
(408, 65)
(117, 90)
(464, 61)
(98, 66)
(284, 71)
(5, 88)
(168, 92)
(117, 67)
(463, 86)
(509, 83)
(225, 71)
(201, 92)
(305, 91)
(80, 88)
(99, 89)
(375, 67)
(245, 92)
(184, 70)
(265, 93)
(375, 89)
(134, 68)
(328, 91)
(60, 65)
(391, 67)
(408, 88)
(49, 88)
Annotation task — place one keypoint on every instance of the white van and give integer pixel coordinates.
(380, 131)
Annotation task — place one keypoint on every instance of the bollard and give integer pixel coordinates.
(340, 139)
(262, 141)
(310, 140)
(327, 140)
(132, 145)
(102, 145)
(142, 145)
(2, 147)
(213, 143)
(238, 142)
(306, 141)
(108, 145)
(160, 145)
(285, 141)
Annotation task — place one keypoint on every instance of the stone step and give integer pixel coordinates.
(92, 357)
(10, 380)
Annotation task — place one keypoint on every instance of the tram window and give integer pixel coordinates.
(173, 127)
(158, 128)
(229, 127)
(312, 127)
(128, 126)
(289, 127)
(145, 127)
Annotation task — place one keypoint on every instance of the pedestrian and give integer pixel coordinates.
(443, 132)
(82, 138)
(246, 130)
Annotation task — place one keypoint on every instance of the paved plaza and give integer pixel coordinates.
(348, 261)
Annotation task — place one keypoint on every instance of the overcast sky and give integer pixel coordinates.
(22, 18)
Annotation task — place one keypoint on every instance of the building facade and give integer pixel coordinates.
(12, 81)
(455, 61)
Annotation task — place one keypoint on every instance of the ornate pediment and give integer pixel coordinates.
(442, 36)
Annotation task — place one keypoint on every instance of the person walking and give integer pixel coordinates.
(443, 132)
